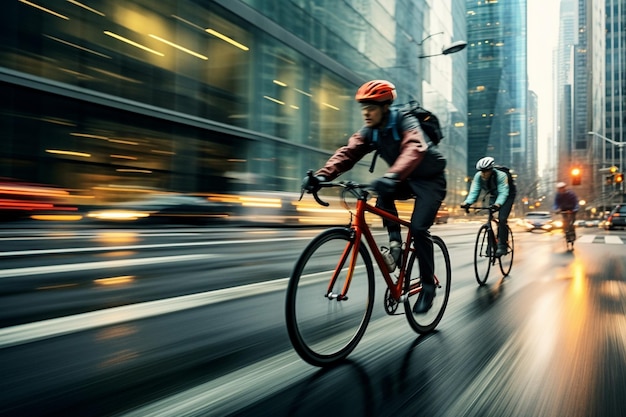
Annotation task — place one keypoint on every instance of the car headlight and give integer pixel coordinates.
(122, 215)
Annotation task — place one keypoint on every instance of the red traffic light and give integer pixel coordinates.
(576, 173)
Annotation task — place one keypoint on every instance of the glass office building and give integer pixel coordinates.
(498, 85)
(199, 96)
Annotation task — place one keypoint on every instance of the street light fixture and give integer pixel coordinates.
(450, 49)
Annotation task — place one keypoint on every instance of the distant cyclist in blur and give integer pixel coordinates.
(416, 169)
(495, 183)
(566, 201)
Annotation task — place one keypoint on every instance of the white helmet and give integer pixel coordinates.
(485, 163)
(561, 184)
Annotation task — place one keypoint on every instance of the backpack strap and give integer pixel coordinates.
(392, 124)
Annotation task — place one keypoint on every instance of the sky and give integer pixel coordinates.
(543, 31)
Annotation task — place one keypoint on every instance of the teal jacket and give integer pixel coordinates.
(499, 188)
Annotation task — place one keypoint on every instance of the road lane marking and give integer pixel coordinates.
(151, 246)
(54, 269)
(586, 239)
(31, 332)
(613, 240)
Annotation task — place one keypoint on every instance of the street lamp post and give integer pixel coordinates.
(620, 145)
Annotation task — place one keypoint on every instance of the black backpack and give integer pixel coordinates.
(507, 171)
(428, 121)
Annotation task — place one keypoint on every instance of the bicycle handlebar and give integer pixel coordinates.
(467, 209)
(356, 189)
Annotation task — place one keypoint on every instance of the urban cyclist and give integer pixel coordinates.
(566, 201)
(496, 184)
(416, 169)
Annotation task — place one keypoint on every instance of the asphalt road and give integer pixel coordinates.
(177, 321)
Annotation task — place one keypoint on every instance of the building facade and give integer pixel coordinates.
(199, 96)
(498, 87)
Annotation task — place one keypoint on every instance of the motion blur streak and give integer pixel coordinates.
(52, 269)
(17, 335)
(224, 395)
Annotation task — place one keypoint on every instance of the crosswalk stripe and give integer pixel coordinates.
(613, 240)
(586, 239)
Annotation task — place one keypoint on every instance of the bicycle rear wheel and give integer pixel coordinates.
(426, 322)
(323, 329)
(484, 251)
(506, 261)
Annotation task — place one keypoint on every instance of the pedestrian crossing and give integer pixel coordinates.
(606, 239)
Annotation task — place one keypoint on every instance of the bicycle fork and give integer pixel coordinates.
(351, 248)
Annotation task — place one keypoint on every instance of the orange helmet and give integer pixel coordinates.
(376, 90)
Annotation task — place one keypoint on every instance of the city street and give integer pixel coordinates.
(189, 321)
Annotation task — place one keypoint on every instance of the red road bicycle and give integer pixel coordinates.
(330, 295)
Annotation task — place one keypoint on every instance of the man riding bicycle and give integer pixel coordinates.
(566, 201)
(495, 183)
(416, 169)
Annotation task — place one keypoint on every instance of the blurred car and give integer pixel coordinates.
(617, 218)
(539, 220)
(592, 223)
(20, 199)
(164, 208)
(580, 223)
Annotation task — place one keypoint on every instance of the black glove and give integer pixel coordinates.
(465, 207)
(312, 183)
(384, 185)
(494, 207)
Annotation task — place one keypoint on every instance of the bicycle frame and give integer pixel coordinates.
(361, 229)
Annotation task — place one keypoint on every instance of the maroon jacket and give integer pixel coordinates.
(404, 156)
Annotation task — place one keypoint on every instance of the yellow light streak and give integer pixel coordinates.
(124, 279)
(71, 153)
(44, 9)
(133, 43)
(57, 217)
(303, 92)
(87, 135)
(282, 84)
(330, 106)
(227, 39)
(282, 103)
(132, 158)
(181, 48)
(76, 3)
(140, 171)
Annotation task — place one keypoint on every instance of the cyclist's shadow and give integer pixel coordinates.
(490, 293)
(319, 387)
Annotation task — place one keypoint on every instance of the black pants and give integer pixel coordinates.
(503, 218)
(429, 194)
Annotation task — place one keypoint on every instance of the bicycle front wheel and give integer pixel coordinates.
(506, 261)
(484, 251)
(322, 327)
(426, 322)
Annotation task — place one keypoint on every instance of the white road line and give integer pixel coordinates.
(26, 333)
(586, 239)
(152, 246)
(613, 240)
(53, 269)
